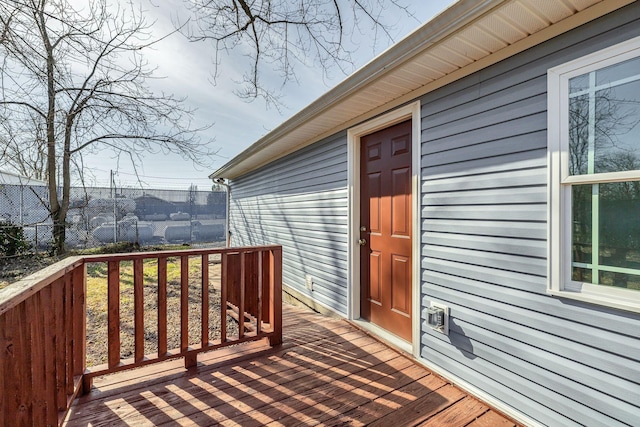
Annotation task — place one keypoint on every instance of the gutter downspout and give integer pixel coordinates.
(220, 181)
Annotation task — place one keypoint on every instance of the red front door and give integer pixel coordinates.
(385, 219)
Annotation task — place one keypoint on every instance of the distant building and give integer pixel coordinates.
(11, 178)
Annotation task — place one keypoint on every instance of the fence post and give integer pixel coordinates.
(275, 276)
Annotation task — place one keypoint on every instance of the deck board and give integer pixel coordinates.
(326, 372)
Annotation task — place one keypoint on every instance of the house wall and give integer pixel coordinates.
(300, 202)
(484, 248)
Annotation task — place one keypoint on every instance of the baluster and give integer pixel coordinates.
(162, 306)
(259, 305)
(241, 304)
(138, 309)
(205, 300)
(184, 303)
(224, 277)
(113, 296)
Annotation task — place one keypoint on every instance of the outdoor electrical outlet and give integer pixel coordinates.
(438, 317)
(309, 281)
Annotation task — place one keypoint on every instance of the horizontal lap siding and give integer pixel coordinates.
(300, 202)
(483, 247)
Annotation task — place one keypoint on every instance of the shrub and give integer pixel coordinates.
(12, 240)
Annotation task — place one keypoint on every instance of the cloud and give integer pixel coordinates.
(187, 69)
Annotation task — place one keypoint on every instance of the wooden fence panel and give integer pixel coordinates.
(38, 357)
(59, 343)
(18, 380)
(35, 312)
(49, 354)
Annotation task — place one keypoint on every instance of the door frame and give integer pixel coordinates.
(409, 111)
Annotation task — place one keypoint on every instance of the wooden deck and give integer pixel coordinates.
(326, 372)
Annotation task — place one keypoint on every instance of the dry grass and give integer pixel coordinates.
(97, 307)
(13, 269)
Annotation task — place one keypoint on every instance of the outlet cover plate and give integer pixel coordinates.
(445, 329)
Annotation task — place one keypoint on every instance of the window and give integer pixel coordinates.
(594, 162)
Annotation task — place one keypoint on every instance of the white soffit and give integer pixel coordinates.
(464, 38)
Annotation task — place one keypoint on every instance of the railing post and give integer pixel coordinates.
(79, 309)
(190, 359)
(79, 281)
(275, 297)
(68, 332)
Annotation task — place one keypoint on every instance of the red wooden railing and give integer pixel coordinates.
(43, 323)
(42, 337)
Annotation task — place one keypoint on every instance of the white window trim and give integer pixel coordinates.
(559, 211)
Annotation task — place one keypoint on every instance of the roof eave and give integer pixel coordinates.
(449, 21)
(316, 121)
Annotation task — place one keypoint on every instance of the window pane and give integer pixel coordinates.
(617, 128)
(579, 83)
(604, 120)
(578, 134)
(581, 223)
(616, 72)
(620, 229)
(581, 275)
(617, 232)
(621, 280)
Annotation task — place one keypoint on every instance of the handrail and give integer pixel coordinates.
(21, 290)
(43, 322)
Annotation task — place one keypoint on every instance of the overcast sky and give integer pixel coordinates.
(187, 71)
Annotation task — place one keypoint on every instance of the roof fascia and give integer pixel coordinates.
(448, 22)
(421, 39)
(574, 21)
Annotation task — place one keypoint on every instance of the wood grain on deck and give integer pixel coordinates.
(326, 372)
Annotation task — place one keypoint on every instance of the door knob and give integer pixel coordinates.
(362, 242)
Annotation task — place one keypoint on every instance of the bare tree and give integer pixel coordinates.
(25, 155)
(74, 81)
(284, 34)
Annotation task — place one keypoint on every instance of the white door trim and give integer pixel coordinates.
(409, 111)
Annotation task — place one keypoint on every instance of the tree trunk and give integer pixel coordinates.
(59, 233)
(58, 214)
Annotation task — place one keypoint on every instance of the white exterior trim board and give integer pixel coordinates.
(410, 111)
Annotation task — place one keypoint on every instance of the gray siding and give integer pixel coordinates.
(483, 241)
(300, 202)
(484, 213)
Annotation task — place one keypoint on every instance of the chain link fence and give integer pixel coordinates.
(99, 216)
